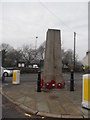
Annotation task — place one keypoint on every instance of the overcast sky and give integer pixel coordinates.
(23, 21)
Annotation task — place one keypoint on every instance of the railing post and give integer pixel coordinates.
(72, 81)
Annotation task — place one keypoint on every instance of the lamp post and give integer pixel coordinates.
(36, 46)
(36, 43)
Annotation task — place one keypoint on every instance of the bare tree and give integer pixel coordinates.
(13, 57)
(5, 46)
(41, 50)
(68, 57)
(10, 56)
(28, 54)
(5, 49)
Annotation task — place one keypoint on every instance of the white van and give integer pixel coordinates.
(35, 66)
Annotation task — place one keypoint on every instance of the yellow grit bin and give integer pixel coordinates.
(16, 77)
(86, 91)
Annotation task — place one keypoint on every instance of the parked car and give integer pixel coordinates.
(6, 72)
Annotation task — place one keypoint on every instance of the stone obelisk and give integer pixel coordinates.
(53, 61)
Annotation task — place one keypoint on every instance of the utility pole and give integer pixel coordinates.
(73, 70)
(74, 48)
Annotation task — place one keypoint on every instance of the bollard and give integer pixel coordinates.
(39, 82)
(16, 77)
(85, 91)
(72, 81)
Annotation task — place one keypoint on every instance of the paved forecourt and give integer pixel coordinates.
(52, 103)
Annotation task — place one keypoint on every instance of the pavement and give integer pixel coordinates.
(56, 103)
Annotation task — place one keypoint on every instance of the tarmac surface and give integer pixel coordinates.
(56, 103)
(9, 110)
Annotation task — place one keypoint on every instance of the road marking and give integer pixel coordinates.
(43, 117)
(27, 115)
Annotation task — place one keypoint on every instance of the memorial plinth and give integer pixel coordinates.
(53, 60)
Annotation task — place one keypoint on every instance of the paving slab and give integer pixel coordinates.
(30, 103)
(71, 116)
(27, 109)
(64, 104)
(21, 100)
(42, 107)
(15, 95)
(49, 115)
(56, 107)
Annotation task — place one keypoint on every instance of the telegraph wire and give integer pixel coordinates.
(56, 16)
(63, 23)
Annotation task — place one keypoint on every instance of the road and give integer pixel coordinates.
(33, 78)
(23, 78)
(9, 110)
